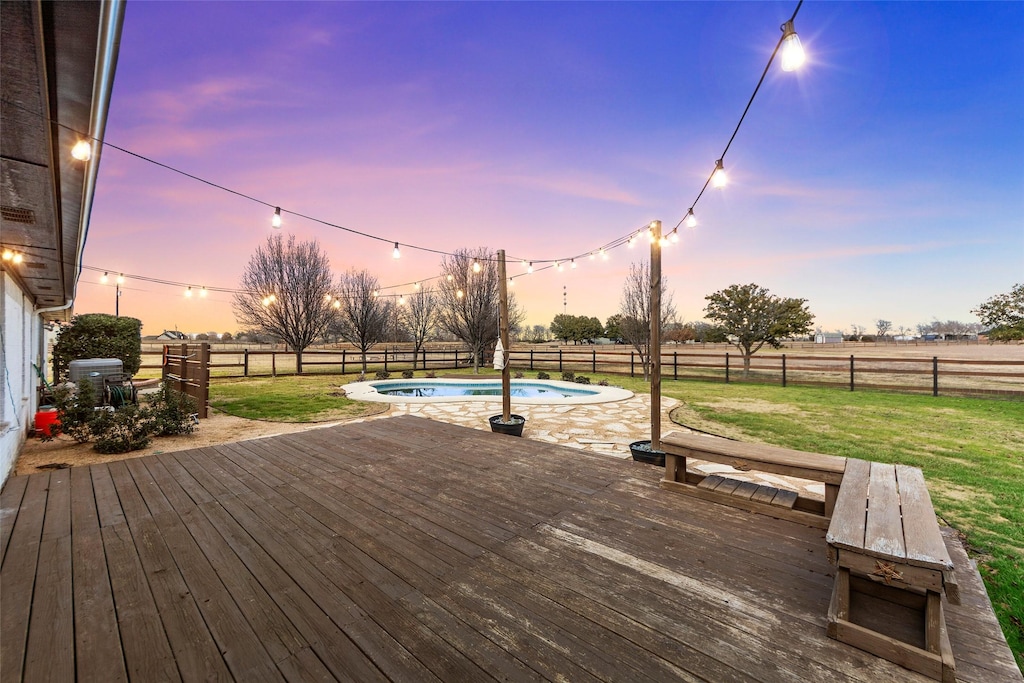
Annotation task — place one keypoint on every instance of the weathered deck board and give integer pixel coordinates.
(406, 549)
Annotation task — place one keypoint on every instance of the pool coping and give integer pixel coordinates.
(365, 391)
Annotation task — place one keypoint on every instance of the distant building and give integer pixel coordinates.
(828, 338)
(171, 335)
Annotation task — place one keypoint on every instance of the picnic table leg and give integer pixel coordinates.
(839, 608)
(831, 493)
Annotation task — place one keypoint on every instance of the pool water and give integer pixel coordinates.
(477, 388)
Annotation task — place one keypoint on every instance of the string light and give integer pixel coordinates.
(572, 264)
(476, 266)
(337, 303)
(396, 254)
(327, 297)
(276, 220)
(459, 294)
(105, 279)
(450, 277)
(417, 286)
(202, 292)
(511, 282)
(529, 269)
(632, 240)
(188, 292)
(558, 266)
(120, 279)
(793, 55)
(691, 220)
(673, 236)
(17, 258)
(604, 254)
(401, 299)
(719, 179)
(82, 150)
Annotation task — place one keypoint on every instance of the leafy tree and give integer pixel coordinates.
(706, 333)
(286, 292)
(753, 317)
(679, 332)
(419, 315)
(635, 309)
(1003, 314)
(98, 335)
(577, 328)
(562, 327)
(612, 326)
(468, 300)
(226, 336)
(363, 316)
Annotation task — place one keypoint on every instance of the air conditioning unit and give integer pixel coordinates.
(97, 371)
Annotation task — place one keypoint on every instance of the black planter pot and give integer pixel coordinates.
(642, 452)
(513, 428)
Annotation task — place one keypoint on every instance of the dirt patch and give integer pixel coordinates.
(219, 428)
(753, 405)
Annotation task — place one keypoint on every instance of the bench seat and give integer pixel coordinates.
(828, 469)
(885, 542)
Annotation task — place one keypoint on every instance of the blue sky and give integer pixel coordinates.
(883, 180)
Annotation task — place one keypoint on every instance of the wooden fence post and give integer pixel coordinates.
(273, 363)
(783, 370)
(531, 359)
(343, 362)
(593, 360)
(385, 359)
(631, 364)
(726, 367)
(935, 375)
(675, 365)
(560, 360)
(851, 372)
(245, 363)
(456, 359)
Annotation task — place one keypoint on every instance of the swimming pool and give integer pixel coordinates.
(524, 392)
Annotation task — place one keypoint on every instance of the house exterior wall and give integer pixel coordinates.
(22, 345)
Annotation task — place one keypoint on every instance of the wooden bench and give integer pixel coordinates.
(829, 469)
(885, 543)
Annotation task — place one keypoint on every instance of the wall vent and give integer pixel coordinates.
(10, 213)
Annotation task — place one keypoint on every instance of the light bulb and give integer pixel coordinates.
(276, 220)
(396, 253)
(202, 292)
(674, 236)
(188, 292)
(105, 279)
(529, 269)
(459, 294)
(663, 242)
(401, 300)
(558, 266)
(8, 255)
(793, 55)
(273, 298)
(511, 282)
(591, 257)
(450, 277)
(82, 150)
(417, 285)
(327, 297)
(719, 179)
(266, 301)
(18, 258)
(120, 278)
(376, 292)
(604, 255)
(632, 239)
(337, 303)
(476, 266)
(691, 220)
(572, 264)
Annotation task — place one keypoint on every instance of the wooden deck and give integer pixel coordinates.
(405, 549)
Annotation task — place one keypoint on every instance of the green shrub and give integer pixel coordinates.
(172, 411)
(74, 411)
(582, 380)
(568, 376)
(518, 375)
(123, 430)
(603, 383)
(407, 374)
(98, 335)
(382, 374)
(543, 375)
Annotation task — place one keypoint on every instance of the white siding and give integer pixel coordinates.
(21, 347)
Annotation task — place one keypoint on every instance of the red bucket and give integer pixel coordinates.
(46, 420)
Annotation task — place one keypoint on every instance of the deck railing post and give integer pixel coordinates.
(851, 372)
(726, 367)
(935, 375)
(783, 370)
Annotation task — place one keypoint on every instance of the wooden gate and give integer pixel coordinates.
(187, 368)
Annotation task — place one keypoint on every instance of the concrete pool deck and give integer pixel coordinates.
(606, 428)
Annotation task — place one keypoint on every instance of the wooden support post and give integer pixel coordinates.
(506, 377)
(655, 353)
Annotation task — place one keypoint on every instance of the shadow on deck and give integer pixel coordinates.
(406, 549)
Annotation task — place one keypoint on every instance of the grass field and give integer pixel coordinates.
(969, 449)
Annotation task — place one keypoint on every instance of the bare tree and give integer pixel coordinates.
(363, 316)
(883, 327)
(635, 311)
(468, 301)
(286, 286)
(419, 316)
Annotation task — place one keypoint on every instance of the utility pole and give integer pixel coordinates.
(506, 373)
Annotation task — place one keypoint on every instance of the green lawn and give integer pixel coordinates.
(971, 450)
